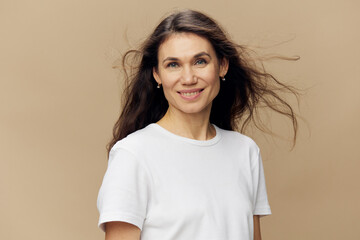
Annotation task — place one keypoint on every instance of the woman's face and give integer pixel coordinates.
(189, 72)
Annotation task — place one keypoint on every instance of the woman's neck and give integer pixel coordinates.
(195, 126)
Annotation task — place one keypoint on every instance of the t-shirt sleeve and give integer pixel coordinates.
(261, 204)
(123, 195)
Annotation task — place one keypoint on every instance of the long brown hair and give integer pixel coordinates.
(247, 85)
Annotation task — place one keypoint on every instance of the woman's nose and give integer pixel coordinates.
(188, 77)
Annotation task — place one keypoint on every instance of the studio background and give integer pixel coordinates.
(59, 99)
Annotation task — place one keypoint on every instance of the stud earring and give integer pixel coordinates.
(223, 78)
(159, 84)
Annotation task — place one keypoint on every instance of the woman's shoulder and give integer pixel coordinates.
(138, 137)
(238, 138)
(136, 140)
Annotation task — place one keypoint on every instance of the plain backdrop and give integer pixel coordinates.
(59, 99)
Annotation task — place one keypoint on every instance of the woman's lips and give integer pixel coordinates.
(190, 94)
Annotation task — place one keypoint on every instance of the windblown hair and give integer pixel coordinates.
(247, 87)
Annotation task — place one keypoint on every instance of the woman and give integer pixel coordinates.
(176, 168)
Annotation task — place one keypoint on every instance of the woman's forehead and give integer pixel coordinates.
(180, 45)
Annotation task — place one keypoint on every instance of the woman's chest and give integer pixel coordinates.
(212, 192)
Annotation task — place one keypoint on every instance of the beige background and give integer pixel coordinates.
(59, 99)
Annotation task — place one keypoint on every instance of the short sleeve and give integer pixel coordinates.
(261, 204)
(123, 195)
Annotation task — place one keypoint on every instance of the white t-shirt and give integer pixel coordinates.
(176, 188)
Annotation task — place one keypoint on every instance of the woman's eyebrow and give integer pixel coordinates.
(200, 54)
(170, 59)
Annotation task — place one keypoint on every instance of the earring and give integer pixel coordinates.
(159, 84)
(223, 78)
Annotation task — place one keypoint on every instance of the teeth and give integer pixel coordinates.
(190, 93)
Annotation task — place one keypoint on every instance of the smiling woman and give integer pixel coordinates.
(189, 73)
(177, 169)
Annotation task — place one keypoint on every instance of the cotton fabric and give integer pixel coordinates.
(176, 188)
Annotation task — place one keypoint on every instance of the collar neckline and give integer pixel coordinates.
(209, 142)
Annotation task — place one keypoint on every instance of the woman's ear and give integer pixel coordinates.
(156, 75)
(224, 66)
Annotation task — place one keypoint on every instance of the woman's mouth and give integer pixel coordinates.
(190, 94)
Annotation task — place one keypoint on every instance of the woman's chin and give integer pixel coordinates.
(194, 110)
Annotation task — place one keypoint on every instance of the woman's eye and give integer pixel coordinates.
(172, 65)
(200, 61)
